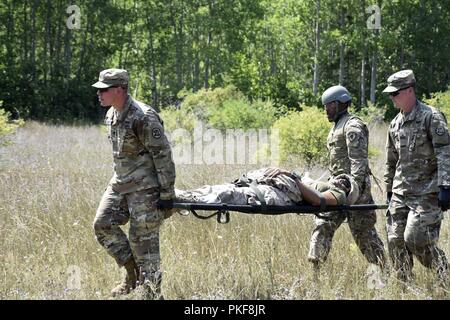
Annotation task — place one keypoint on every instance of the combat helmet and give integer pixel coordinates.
(336, 93)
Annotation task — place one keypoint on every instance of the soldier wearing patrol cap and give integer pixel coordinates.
(347, 144)
(142, 184)
(417, 177)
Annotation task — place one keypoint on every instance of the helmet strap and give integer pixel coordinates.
(339, 112)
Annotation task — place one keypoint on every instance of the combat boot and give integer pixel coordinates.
(150, 283)
(316, 270)
(442, 280)
(314, 292)
(374, 276)
(129, 283)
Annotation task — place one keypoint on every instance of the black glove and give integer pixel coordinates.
(444, 198)
(164, 204)
(389, 196)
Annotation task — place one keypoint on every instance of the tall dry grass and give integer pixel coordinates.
(52, 178)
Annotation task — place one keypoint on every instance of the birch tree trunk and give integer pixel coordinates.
(33, 41)
(363, 60)
(153, 74)
(25, 34)
(373, 77)
(341, 52)
(317, 50)
(178, 39)
(48, 47)
(208, 46)
(362, 82)
(10, 37)
(196, 75)
(81, 63)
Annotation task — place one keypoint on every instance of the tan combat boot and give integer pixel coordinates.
(129, 283)
(150, 283)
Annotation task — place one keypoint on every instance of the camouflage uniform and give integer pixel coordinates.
(280, 190)
(347, 144)
(144, 172)
(418, 153)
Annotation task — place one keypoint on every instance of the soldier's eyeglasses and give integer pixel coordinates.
(396, 93)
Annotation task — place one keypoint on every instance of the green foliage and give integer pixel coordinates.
(304, 134)
(371, 113)
(373, 152)
(222, 108)
(178, 118)
(241, 114)
(175, 120)
(266, 49)
(205, 102)
(441, 100)
(7, 126)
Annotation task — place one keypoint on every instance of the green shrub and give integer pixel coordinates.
(221, 108)
(178, 118)
(241, 114)
(304, 134)
(7, 126)
(371, 113)
(203, 103)
(441, 100)
(373, 152)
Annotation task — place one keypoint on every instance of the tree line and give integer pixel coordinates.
(286, 51)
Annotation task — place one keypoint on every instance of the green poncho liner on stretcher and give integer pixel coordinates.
(273, 191)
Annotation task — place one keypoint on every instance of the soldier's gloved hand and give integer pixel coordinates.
(164, 204)
(389, 196)
(444, 198)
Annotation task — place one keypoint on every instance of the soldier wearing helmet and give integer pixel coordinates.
(336, 100)
(347, 145)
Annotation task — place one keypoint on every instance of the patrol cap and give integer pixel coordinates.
(400, 80)
(336, 93)
(111, 77)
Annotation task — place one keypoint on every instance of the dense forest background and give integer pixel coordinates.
(285, 51)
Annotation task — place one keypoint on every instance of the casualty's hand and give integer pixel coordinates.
(272, 172)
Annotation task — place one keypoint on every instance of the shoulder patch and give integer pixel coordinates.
(156, 133)
(440, 131)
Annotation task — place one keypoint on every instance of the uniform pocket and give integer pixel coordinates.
(430, 218)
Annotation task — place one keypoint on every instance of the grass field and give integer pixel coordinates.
(52, 177)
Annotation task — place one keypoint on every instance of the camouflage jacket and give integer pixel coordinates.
(142, 154)
(418, 152)
(347, 145)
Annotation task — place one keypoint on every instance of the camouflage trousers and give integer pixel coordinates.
(413, 226)
(362, 228)
(138, 208)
